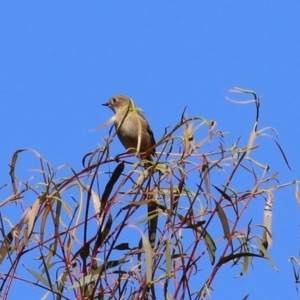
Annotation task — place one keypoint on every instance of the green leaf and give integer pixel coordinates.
(123, 246)
(6, 245)
(224, 220)
(230, 257)
(44, 281)
(103, 232)
(12, 169)
(149, 263)
(211, 246)
(113, 179)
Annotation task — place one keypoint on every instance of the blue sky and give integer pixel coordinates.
(59, 61)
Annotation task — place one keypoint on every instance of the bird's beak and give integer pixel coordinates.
(105, 104)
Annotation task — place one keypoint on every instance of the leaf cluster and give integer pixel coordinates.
(118, 230)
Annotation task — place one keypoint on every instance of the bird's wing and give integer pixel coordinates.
(149, 131)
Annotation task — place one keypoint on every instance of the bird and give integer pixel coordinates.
(135, 134)
(133, 130)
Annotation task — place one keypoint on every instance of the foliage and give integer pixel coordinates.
(83, 235)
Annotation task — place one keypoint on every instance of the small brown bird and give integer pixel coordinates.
(136, 135)
(132, 128)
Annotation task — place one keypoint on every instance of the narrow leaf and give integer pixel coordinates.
(43, 280)
(103, 232)
(224, 220)
(223, 193)
(5, 245)
(12, 169)
(32, 217)
(123, 246)
(230, 257)
(210, 244)
(283, 154)
(168, 258)
(113, 179)
(149, 263)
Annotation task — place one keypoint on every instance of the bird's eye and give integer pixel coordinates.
(114, 100)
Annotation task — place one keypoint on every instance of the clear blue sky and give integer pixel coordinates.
(59, 61)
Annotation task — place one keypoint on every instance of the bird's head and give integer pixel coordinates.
(119, 102)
